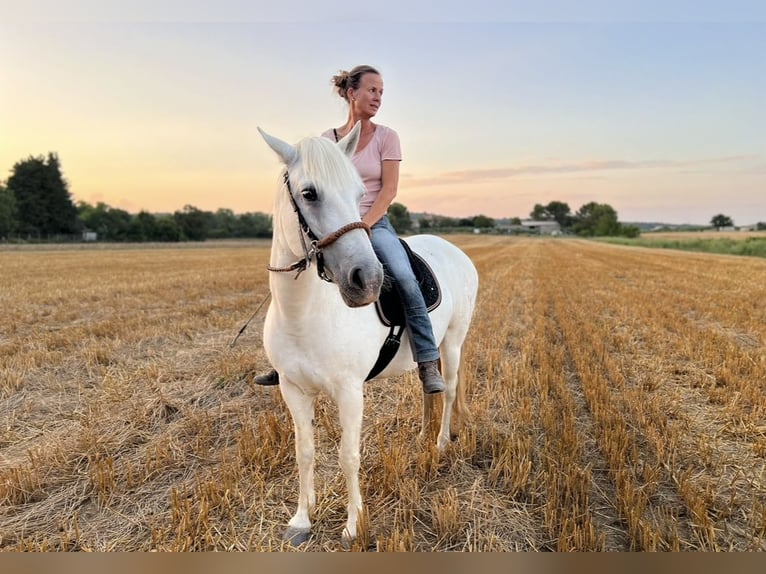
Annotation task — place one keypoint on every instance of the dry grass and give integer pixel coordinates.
(617, 400)
(706, 234)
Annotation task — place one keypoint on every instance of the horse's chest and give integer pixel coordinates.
(325, 347)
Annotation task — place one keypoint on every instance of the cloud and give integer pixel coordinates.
(495, 174)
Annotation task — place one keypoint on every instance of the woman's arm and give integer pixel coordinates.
(390, 179)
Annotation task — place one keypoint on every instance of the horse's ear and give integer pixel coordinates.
(284, 150)
(351, 139)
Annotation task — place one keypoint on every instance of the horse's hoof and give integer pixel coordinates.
(347, 542)
(296, 536)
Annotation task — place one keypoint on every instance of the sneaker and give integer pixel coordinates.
(431, 377)
(267, 380)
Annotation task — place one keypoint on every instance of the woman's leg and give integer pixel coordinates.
(389, 250)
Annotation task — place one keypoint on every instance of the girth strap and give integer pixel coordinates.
(387, 351)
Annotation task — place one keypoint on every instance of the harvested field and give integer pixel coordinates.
(617, 397)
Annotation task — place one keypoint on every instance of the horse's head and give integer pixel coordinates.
(316, 214)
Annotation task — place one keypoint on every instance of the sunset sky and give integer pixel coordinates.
(656, 108)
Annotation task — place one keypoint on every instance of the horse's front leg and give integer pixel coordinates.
(301, 408)
(350, 409)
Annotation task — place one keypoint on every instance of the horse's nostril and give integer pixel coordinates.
(357, 278)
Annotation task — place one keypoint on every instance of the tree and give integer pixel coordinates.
(119, 223)
(596, 219)
(483, 222)
(443, 221)
(560, 212)
(143, 227)
(109, 223)
(555, 210)
(42, 197)
(193, 223)
(223, 224)
(539, 213)
(167, 229)
(255, 225)
(630, 231)
(8, 212)
(92, 217)
(720, 220)
(400, 217)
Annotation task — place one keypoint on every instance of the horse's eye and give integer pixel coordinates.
(309, 193)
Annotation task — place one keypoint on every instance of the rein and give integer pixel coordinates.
(314, 249)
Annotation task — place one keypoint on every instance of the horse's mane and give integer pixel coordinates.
(321, 158)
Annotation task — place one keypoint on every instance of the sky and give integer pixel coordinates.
(654, 107)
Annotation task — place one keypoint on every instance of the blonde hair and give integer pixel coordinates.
(343, 80)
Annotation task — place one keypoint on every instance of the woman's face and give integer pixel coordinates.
(366, 99)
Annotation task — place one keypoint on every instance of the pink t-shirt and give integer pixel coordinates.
(384, 145)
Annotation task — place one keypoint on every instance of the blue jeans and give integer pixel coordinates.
(386, 244)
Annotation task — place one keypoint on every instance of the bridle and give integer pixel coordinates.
(314, 249)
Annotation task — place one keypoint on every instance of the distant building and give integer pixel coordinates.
(89, 236)
(529, 227)
(542, 227)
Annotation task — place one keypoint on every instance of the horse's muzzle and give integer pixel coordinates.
(361, 284)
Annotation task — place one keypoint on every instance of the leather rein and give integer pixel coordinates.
(314, 249)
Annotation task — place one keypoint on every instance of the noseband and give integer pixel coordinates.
(314, 249)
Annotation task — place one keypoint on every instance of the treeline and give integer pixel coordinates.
(440, 222)
(401, 219)
(188, 224)
(35, 205)
(591, 220)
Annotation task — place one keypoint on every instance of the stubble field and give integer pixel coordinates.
(616, 394)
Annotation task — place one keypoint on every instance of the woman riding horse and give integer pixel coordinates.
(377, 158)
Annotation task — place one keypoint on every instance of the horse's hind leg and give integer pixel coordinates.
(302, 410)
(429, 400)
(450, 361)
(450, 367)
(350, 410)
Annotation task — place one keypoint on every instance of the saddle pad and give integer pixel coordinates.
(389, 305)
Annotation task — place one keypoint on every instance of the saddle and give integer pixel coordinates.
(391, 311)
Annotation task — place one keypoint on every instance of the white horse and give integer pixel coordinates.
(321, 334)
